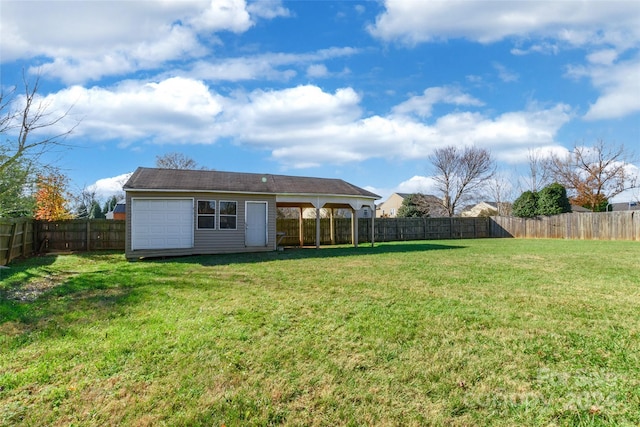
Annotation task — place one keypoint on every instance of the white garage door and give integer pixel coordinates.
(161, 223)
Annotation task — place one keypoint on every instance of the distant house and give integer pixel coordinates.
(486, 208)
(185, 212)
(118, 212)
(389, 208)
(613, 207)
(624, 206)
(480, 209)
(365, 212)
(576, 208)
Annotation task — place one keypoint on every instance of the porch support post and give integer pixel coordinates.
(354, 227)
(373, 228)
(332, 226)
(301, 227)
(317, 228)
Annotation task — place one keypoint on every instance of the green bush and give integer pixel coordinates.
(553, 200)
(526, 205)
(414, 206)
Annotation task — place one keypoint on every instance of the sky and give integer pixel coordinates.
(363, 91)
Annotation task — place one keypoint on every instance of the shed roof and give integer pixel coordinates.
(151, 179)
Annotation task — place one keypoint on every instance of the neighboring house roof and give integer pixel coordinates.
(625, 206)
(120, 208)
(148, 179)
(478, 209)
(576, 208)
(613, 207)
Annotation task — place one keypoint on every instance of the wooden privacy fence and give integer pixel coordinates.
(589, 226)
(16, 239)
(80, 235)
(24, 237)
(386, 229)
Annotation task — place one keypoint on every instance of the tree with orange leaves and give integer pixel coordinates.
(52, 197)
(593, 175)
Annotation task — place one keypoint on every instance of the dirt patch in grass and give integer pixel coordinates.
(31, 291)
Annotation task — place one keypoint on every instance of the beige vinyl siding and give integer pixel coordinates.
(209, 241)
(225, 240)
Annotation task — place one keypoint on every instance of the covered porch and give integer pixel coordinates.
(351, 203)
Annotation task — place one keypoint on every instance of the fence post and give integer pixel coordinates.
(451, 227)
(12, 239)
(88, 234)
(24, 238)
(424, 227)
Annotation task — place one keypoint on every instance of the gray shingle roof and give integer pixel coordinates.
(235, 182)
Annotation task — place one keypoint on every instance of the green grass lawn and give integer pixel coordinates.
(464, 332)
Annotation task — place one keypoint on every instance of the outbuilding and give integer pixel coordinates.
(172, 212)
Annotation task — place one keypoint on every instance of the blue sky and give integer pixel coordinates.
(358, 90)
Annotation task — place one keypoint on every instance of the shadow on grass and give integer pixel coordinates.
(34, 296)
(312, 253)
(32, 293)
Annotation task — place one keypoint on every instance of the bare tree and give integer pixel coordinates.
(20, 118)
(460, 174)
(25, 125)
(500, 191)
(176, 161)
(538, 173)
(593, 175)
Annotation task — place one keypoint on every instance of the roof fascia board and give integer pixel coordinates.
(281, 196)
(158, 190)
(289, 197)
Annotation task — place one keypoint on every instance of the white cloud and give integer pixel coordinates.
(504, 74)
(295, 120)
(239, 69)
(301, 126)
(107, 187)
(268, 66)
(603, 57)
(619, 85)
(174, 110)
(231, 15)
(317, 70)
(82, 41)
(422, 105)
(268, 9)
(417, 184)
(573, 22)
(177, 42)
(544, 48)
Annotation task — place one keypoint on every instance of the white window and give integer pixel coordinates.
(228, 215)
(207, 214)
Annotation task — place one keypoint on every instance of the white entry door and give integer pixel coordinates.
(256, 224)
